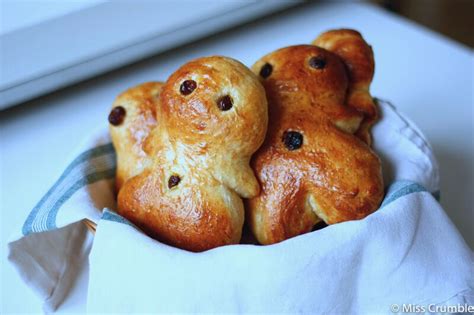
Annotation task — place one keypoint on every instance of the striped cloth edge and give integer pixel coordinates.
(91, 166)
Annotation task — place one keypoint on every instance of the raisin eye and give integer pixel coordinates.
(225, 103)
(293, 140)
(317, 62)
(266, 70)
(117, 115)
(187, 87)
(173, 181)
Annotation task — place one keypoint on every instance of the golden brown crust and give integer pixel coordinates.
(294, 81)
(358, 57)
(198, 214)
(207, 150)
(140, 104)
(330, 174)
(333, 177)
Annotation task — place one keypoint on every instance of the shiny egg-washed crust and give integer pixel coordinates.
(358, 57)
(140, 104)
(333, 176)
(207, 149)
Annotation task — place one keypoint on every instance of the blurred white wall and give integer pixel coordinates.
(17, 14)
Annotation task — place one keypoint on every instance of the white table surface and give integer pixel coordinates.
(427, 76)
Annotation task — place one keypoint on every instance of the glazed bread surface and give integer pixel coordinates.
(315, 164)
(212, 116)
(358, 57)
(132, 117)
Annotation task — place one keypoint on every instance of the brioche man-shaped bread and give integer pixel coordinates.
(212, 116)
(132, 118)
(312, 165)
(359, 60)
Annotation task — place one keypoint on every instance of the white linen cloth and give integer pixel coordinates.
(406, 254)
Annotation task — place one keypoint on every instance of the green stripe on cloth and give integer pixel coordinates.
(89, 167)
(110, 215)
(399, 189)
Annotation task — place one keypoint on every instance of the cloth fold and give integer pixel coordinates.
(407, 252)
